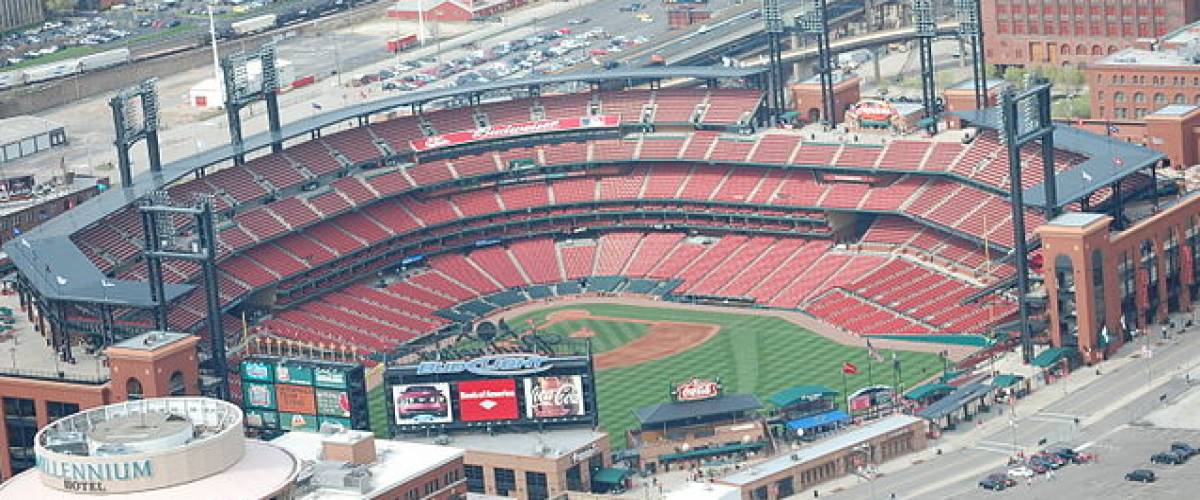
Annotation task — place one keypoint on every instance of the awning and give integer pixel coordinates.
(1050, 356)
(708, 452)
(682, 411)
(818, 420)
(954, 401)
(924, 391)
(789, 116)
(611, 475)
(800, 394)
(1006, 380)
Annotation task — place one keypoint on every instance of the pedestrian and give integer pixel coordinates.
(893, 496)
(1029, 481)
(816, 494)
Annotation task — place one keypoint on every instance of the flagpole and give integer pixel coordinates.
(845, 390)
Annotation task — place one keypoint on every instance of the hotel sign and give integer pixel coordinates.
(94, 476)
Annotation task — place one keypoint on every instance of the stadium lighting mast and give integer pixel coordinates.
(926, 33)
(969, 26)
(239, 93)
(1026, 119)
(163, 241)
(135, 117)
(815, 23)
(773, 25)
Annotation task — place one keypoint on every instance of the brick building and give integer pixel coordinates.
(1040, 32)
(38, 388)
(450, 10)
(1102, 283)
(17, 13)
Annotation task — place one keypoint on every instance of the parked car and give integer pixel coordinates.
(1141, 476)
(1168, 457)
(1184, 448)
(1046, 461)
(1020, 471)
(1067, 454)
(988, 483)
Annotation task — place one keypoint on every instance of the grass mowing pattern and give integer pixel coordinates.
(609, 335)
(378, 411)
(751, 353)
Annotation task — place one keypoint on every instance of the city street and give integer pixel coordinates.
(1119, 397)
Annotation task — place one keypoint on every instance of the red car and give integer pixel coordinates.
(421, 401)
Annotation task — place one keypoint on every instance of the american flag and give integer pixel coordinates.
(873, 353)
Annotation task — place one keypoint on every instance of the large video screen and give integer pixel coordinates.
(550, 397)
(485, 400)
(292, 394)
(486, 391)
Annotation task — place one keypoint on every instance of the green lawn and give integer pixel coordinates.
(752, 353)
(609, 335)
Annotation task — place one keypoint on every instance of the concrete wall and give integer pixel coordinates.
(32, 99)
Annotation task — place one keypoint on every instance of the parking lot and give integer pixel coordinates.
(1122, 451)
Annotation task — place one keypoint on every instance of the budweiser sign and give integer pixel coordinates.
(514, 129)
(697, 389)
(872, 110)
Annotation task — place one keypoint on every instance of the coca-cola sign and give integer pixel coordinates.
(697, 389)
(552, 397)
(514, 129)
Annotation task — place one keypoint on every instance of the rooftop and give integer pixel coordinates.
(704, 491)
(263, 470)
(150, 341)
(970, 84)
(1143, 57)
(396, 463)
(21, 127)
(79, 183)
(820, 449)
(683, 410)
(24, 354)
(553, 444)
(1076, 219)
(1176, 110)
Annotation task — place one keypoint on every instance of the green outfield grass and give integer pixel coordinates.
(757, 354)
(609, 335)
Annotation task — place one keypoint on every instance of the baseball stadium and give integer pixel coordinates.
(658, 212)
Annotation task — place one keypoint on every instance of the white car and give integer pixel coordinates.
(1021, 471)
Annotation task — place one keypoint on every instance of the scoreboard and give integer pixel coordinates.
(300, 394)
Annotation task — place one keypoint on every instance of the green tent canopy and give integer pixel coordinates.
(1050, 356)
(799, 394)
(716, 450)
(1006, 380)
(924, 391)
(611, 475)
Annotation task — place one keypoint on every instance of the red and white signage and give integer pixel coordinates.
(697, 389)
(874, 111)
(484, 400)
(514, 129)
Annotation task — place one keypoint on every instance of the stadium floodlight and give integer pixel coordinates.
(970, 27)
(926, 26)
(135, 118)
(243, 89)
(814, 22)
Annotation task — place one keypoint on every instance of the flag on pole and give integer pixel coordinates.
(1086, 176)
(873, 353)
(849, 368)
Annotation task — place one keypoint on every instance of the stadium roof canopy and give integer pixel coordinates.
(52, 263)
(677, 411)
(955, 401)
(1109, 159)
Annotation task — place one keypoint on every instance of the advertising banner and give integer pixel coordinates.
(262, 418)
(295, 399)
(258, 370)
(697, 389)
(550, 397)
(293, 373)
(333, 403)
(514, 129)
(417, 404)
(333, 378)
(485, 400)
(298, 422)
(258, 395)
(1142, 288)
(860, 402)
(344, 423)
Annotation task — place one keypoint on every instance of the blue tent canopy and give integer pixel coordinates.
(818, 420)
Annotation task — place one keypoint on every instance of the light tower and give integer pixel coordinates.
(240, 93)
(815, 23)
(926, 34)
(969, 27)
(773, 25)
(135, 117)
